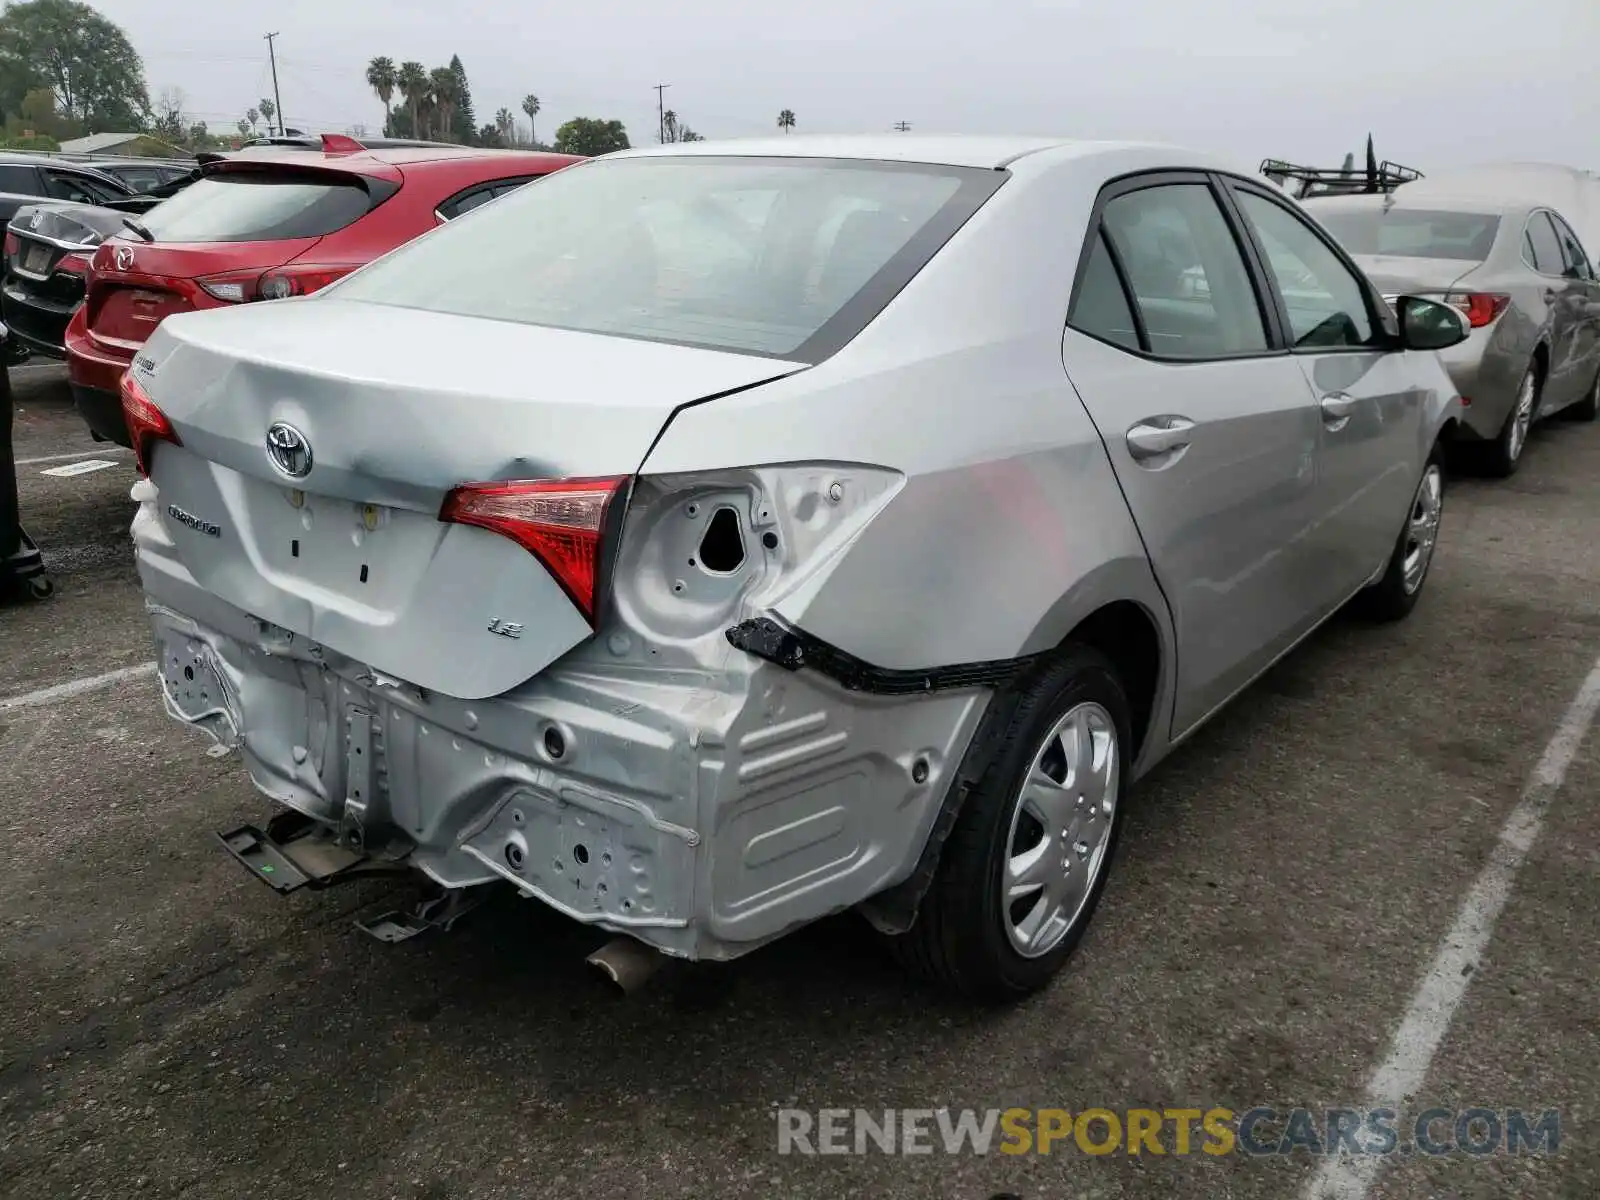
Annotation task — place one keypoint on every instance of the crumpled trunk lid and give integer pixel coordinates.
(397, 408)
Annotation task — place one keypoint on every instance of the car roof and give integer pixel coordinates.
(953, 150)
(1400, 201)
(398, 156)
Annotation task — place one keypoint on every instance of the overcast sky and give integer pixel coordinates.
(1438, 82)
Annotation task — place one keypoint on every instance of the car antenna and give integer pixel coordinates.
(144, 234)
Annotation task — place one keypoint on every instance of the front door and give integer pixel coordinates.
(1210, 429)
(1369, 405)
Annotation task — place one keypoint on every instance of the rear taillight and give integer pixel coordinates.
(13, 243)
(146, 423)
(298, 281)
(76, 264)
(561, 522)
(1481, 307)
(234, 287)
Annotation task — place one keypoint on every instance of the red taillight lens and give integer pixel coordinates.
(235, 287)
(146, 423)
(13, 243)
(76, 264)
(1481, 307)
(298, 281)
(561, 522)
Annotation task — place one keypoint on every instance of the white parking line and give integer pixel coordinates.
(75, 687)
(1457, 960)
(52, 458)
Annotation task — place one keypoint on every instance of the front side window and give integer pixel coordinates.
(1326, 301)
(1186, 272)
(785, 257)
(1547, 257)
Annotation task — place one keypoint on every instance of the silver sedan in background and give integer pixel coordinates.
(720, 536)
(1518, 272)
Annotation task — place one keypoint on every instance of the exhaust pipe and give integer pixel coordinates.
(627, 962)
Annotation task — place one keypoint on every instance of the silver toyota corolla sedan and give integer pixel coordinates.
(715, 537)
(1521, 276)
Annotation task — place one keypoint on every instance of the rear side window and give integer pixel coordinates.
(1547, 259)
(1186, 272)
(19, 179)
(1101, 309)
(79, 189)
(141, 179)
(1412, 233)
(260, 206)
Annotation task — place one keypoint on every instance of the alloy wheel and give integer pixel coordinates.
(1422, 530)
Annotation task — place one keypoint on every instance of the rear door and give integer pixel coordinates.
(1583, 296)
(1566, 302)
(1370, 407)
(1210, 427)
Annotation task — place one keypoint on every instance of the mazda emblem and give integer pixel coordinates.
(289, 450)
(124, 258)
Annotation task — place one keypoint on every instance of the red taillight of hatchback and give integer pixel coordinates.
(146, 423)
(561, 522)
(242, 287)
(1481, 307)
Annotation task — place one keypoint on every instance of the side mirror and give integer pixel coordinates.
(1429, 325)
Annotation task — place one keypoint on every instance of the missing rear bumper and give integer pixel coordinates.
(295, 852)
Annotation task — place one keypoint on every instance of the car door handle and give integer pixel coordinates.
(1150, 440)
(1337, 407)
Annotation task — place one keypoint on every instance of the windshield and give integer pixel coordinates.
(785, 257)
(1412, 233)
(258, 206)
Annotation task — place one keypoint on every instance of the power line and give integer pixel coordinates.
(903, 126)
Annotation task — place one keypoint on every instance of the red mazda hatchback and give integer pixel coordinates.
(263, 225)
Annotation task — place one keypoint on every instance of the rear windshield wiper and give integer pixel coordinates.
(144, 234)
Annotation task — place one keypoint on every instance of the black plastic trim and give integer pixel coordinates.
(792, 649)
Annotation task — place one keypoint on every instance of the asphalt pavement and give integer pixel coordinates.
(1383, 857)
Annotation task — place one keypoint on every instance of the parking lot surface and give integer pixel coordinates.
(172, 1028)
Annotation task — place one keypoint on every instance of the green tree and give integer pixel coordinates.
(169, 124)
(492, 137)
(463, 123)
(591, 136)
(412, 80)
(786, 120)
(199, 135)
(243, 127)
(442, 90)
(381, 79)
(268, 110)
(530, 105)
(252, 115)
(676, 130)
(94, 71)
(505, 127)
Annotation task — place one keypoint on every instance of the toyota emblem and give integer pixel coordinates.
(289, 450)
(124, 258)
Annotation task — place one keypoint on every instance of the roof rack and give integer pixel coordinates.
(1372, 180)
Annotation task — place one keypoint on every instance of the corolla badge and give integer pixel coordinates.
(289, 450)
(124, 258)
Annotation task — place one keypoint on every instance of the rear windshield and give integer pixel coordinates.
(1412, 233)
(788, 258)
(252, 206)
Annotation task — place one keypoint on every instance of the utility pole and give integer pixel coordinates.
(276, 98)
(902, 126)
(661, 112)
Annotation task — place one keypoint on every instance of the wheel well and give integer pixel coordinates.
(1125, 634)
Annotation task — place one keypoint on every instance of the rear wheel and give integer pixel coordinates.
(1504, 453)
(1395, 594)
(1023, 869)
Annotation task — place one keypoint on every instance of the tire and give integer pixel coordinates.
(965, 938)
(1396, 593)
(1588, 408)
(1502, 456)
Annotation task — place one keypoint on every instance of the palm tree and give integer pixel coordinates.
(381, 79)
(446, 88)
(530, 105)
(506, 125)
(252, 116)
(267, 108)
(412, 80)
(786, 120)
